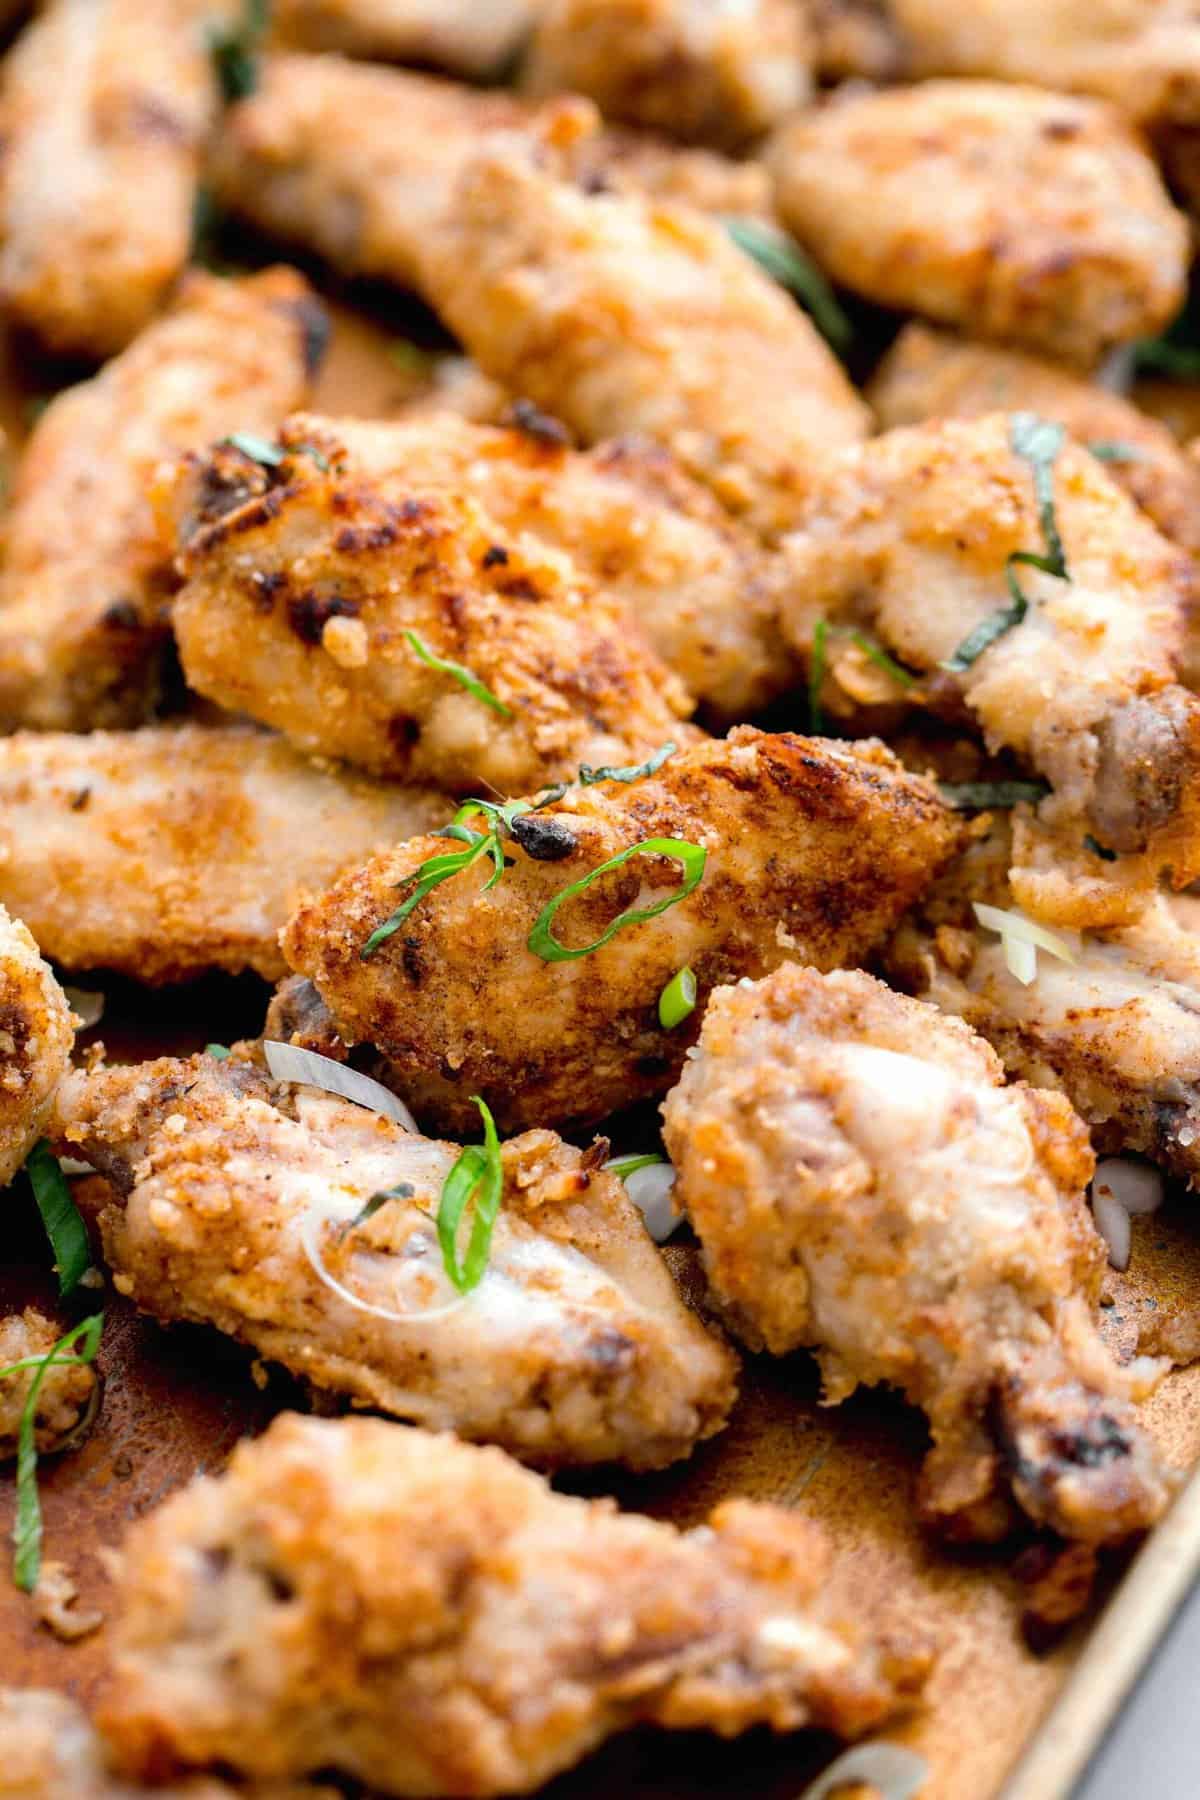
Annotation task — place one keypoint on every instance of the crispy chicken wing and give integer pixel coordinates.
(863, 1184)
(911, 536)
(179, 848)
(67, 1394)
(720, 74)
(104, 108)
(240, 1204)
(36, 1036)
(86, 573)
(619, 314)
(1031, 217)
(515, 1629)
(811, 847)
(303, 582)
(473, 38)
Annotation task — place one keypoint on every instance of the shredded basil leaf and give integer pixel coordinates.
(1098, 849)
(462, 675)
(258, 449)
(980, 796)
(880, 657)
(479, 1172)
(27, 1527)
(677, 1000)
(783, 260)
(432, 872)
(816, 677)
(541, 939)
(1115, 451)
(60, 1215)
(588, 777)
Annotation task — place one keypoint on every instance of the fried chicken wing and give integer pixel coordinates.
(259, 1209)
(911, 536)
(165, 852)
(473, 38)
(619, 314)
(717, 74)
(86, 573)
(306, 583)
(36, 1036)
(811, 848)
(105, 106)
(67, 1394)
(515, 1630)
(863, 1184)
(1031, 217)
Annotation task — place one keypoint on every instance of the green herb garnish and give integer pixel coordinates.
(27, 1528)
(979, 796)
(816, 676)
(1114, 451)
(60, 1215)
(541, 939)
(432, 872)
(677, 1000)
(219, 1051)
(478, 1172)
(234, 51)
(624, 1166)
(784, 261)
(258, 449)
(1098, 849)
(403, 1190)
(879, 656)
(462, 675)
(588, 777)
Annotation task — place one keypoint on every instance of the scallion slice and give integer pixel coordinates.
(677, 1000)
(60, 1215)
(478, 1173)
(692, 857)
(783, 260)
(27, 1528)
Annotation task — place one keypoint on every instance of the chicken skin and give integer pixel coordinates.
(912, 537)
(169, 851)
(807, 849)
(619, 314)
(260, 1209)
(719, 74)
(472, 38)
(86, 574)
(515, 1630)
(36, 1037)
(864, 1185)
(67, 1394)
(1051, 227)
(106, 105)
(321, 601)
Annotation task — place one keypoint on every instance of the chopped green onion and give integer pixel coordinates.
(816, 676)
(784, 261)
(677, 1000)
(60, 1215)
(988, 630)
(621, 1166)
(978, 796)
(233, 50)
(1098, 849)
(432, 872)
(879, 656)
(462, 675)
(258, 449)
(27, 1529)
(479, 1172)
(1116, 452)
(219, 1051)
(588, 777)
(693, 857)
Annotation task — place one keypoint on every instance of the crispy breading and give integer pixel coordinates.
(638, 161)
(474, 38)
(812, 849)
(36, 1036)
(233, 1193)
(910, 536)
(1021, 215)
(104, 106)
(518, 1630)
(86, 575)
(714, 74)
(702, 590)
(619, 315)
(67, 1393)
(1144, 55)
(854, 39)
(302, 581)
(863, 1184)
(165, 852)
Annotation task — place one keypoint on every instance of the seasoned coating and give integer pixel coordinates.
(717, 74)
(863, 1184)
(910, 537)
(518, 1629)
(621, 315)
(702, 590)
(67, 1394)
(86, 574)
(169, 851)
(854, 39)
(473, 38)
(574, 1347)
(301, 580)
(36, 1035)
(1030, 217)
(104, 109)
(812, 848)
(639, 162)
(1144, 55)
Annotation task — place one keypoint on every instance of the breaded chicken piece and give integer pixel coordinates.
(67, 1394)
(1021, 215)
(812, 848)
(472, 38)
(303, 581)
(910, 537)
(703, 591)
(864, 1185)
(1144, 55)
(717, 74)
(105, 106)
(621, 315)
(854, 40)
(518, 1629)
(169, 851)
(624, 161)
(86, 574)
(240, 1204)
(36, 1037)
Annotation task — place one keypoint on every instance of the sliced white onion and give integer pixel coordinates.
(415, 1316)
(70, 1165)
(650, 1188)
(1112, 1222)
(1021, 939)
(1135, 1186)
(288, 1062)
(895, 1773)
(87, 1004)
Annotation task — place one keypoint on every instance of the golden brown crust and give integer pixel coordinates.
(36, 1035)
(65, 1395)
(473, 38)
